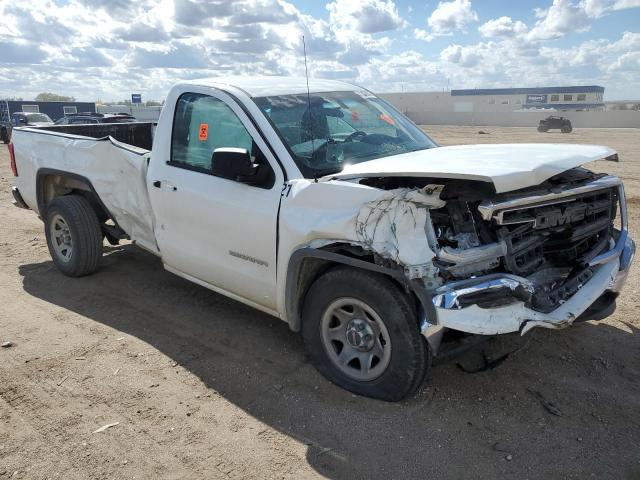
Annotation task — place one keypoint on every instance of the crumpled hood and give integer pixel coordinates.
(508, 166)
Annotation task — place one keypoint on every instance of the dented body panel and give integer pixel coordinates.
(116, 171)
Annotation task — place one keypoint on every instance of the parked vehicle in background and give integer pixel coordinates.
(88, 118)
(555, 123)
(24, 119)
(320, 204)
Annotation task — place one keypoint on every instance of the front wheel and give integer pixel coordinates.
(362, 333)
(566, 129)
(542, 129)
(73, 235)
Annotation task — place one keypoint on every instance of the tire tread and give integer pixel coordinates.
(83, 221)
(378, 286)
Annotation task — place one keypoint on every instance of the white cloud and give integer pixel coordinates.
(422, 34)
(178, 55)
(16, 52)
(463, 56)
(502, 27)
(564, 16)
(194, 13)
(559, 19)
(365, 16)
(449, 17)
(141, 32)
(627, 62)
(597, 8)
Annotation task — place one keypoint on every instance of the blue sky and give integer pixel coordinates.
(94, 49)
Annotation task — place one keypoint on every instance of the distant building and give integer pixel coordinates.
(55, 110)
(573, 98)
(570, 98)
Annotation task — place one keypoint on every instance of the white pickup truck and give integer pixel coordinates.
(324, 206)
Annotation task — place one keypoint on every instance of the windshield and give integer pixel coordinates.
(327, 131)
(38, 117)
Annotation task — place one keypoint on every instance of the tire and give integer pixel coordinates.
(566, 129)
(542, 129)
(73, 235)
(403, 356)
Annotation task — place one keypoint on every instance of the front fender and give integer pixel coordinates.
(307, 264)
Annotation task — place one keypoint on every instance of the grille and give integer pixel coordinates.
(566, 233)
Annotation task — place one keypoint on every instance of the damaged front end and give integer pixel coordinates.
(500, 263)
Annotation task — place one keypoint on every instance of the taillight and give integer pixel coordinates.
(12, 160)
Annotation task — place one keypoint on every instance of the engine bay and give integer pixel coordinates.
(549, 243)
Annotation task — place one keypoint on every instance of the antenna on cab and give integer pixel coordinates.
(306, 73)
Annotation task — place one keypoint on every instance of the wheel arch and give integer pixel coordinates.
(52, 183)
(307, 264)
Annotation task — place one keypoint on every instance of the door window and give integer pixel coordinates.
(200, 125)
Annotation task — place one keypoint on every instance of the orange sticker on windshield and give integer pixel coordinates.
(354, 116)
(204, 132)
(386, 118)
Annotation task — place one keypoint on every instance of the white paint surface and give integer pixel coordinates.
(508, 166)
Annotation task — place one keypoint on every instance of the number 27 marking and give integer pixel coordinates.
(285, 188)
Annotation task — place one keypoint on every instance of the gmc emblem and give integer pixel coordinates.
(557, 217)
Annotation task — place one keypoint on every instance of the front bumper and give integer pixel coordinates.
(449, 310)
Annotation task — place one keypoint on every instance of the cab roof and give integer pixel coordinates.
(262, 86)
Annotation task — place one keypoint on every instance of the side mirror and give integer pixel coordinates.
(236, 164)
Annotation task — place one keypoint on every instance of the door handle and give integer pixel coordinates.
(165, 185)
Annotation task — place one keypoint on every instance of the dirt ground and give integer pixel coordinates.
(202, 387)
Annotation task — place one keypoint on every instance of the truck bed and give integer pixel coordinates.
(138, 134)
(116, 170)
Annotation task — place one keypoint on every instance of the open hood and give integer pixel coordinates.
(508, 166)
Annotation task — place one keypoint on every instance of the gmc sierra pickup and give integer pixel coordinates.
(326, 207)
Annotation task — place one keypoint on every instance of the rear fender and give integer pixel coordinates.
(52, 183)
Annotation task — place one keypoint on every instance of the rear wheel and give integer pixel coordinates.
(542, 129)
(566, 129)
(73, 235)
(362, 333)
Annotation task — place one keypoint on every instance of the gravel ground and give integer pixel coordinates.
(198, 386)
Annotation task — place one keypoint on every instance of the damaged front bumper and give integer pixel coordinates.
(457, 305)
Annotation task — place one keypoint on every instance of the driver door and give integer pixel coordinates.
(215, 231)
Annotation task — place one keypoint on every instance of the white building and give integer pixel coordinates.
(572, 98)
